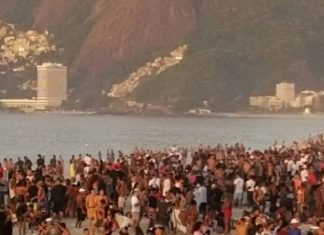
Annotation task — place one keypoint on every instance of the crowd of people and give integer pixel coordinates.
(209, 190)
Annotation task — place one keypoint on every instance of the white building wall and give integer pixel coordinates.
(52, 83)
(286, 92)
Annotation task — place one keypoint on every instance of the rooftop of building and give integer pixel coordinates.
(52, 65)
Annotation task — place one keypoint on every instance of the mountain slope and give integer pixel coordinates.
(235, 47)
(104, 40)
(243, 49)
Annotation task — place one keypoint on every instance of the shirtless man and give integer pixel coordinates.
(320, 230)
(121, 190)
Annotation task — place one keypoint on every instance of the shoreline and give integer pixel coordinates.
(175, 115)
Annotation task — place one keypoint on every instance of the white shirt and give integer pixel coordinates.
(294, 168)
(250, 184)
(166, 186)
(299, 163)
(156, 182)
(200, 195)
(289, 165)
(136, 207)
(304, 175)
(239, 183)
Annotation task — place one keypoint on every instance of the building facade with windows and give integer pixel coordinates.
(51, 89)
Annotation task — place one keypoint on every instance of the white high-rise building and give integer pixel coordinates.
(52, 84)
(286, 92)
(51, 90)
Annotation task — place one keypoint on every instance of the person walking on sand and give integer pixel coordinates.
(136, 207)
(80, 207)
(227, 212)
(91, 205)
(58, 198)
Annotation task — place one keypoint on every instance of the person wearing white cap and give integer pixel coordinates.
(293, 228)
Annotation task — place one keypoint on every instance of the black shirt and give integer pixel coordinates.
(58, 193)
(28, 164)
(40, 162)
(32, 191)
(20, 165)
(152, 201)
(8, 228)
(39, 174)
(53, 162)
(215, 198)
(22, 183)
(21, 210)
(115, 175)
(163, 209)
(2, 220)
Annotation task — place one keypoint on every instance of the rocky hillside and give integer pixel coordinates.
(235, 47)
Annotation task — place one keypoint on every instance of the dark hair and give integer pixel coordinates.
(196, 226)
(20, 199)
(284, 223)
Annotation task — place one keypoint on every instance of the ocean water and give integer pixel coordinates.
(30, 134)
